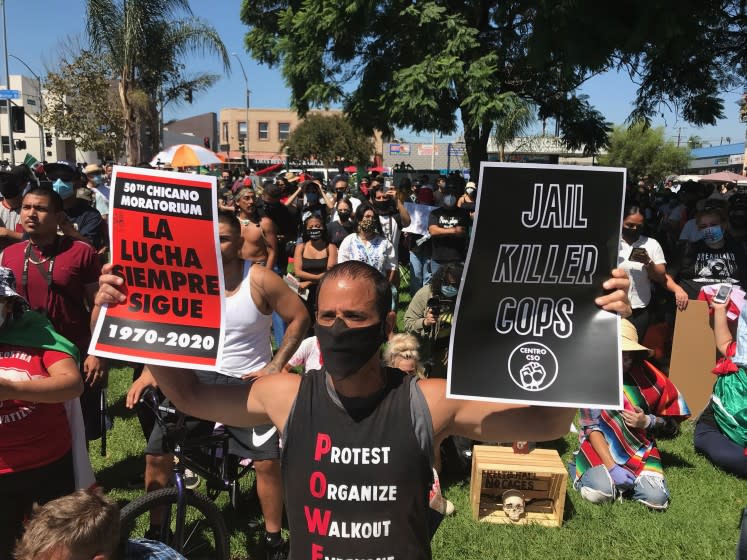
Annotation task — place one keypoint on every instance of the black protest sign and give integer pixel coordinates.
(164, 245)
(526, 329)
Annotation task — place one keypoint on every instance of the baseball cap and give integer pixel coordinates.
(61, 170)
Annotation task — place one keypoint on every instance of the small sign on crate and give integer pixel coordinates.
(512, 488)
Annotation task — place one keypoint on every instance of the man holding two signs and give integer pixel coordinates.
(357, 424)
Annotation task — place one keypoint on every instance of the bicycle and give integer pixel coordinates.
(191, 523)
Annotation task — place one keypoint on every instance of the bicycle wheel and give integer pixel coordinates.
(205, 533)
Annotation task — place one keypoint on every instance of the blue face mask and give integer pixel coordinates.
(98, 179)
(449, 291)
(312, 198)
(713, 234)
(63, 188)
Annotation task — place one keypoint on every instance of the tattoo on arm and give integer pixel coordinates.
(288, 347)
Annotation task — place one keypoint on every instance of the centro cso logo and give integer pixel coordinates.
(532, 366)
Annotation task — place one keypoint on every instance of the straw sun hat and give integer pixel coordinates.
(629, 338)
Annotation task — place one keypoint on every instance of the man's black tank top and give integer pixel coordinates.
(355, 489)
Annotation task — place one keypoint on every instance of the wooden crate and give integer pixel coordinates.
(539, 475)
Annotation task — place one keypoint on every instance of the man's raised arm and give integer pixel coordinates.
(487, 421)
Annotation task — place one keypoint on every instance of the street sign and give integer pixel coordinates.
(9, 94)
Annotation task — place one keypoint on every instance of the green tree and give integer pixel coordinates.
(144, 41)
(330, 139)
(82, 103)
(435, 64)
(515, 119)
(694, 141)
(644, 152)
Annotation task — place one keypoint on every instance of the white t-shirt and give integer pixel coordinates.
(307, 355)
(640, 284)
(690, 232)
(378, 252)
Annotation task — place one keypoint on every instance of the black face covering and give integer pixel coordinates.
(385, 207)
(345, 350)
(314, 234)
(630, 234)
(344, 215)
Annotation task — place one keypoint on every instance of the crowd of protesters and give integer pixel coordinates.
(676, 240)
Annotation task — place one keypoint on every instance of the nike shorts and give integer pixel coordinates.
(259, 443)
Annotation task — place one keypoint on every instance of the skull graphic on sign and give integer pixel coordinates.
(532, 376)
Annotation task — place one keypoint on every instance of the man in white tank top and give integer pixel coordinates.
(252, 294)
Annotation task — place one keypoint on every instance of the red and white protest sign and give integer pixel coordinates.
(164, 244)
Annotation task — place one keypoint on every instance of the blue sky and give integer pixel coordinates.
(36, 28)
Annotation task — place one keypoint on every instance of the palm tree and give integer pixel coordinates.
(145, 40)
(515, 119)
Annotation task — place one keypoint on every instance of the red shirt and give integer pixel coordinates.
(75, 266)
(31, 434)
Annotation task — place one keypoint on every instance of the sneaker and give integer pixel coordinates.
(191, 480)
(278, 552)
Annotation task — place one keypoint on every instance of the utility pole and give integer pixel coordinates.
(246, 135)
(7, 86)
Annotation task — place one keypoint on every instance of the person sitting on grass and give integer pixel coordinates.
(721, 431)
(618, 454)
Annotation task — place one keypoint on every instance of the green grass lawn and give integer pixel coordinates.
(702, 521)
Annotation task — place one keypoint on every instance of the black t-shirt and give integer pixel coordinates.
(356, 481)
(704, 265)
(337, 231)
(449, 248)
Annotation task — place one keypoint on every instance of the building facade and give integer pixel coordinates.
(727, 157)
(268, 129)
(29, 136)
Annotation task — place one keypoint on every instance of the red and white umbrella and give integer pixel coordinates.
(186, 155)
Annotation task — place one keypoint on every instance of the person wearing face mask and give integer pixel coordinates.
(344, 223)
(716, 259)
(357, 422)
(618, 454)
(468, 201)
(448, 226)
(643, 259)
(342, 192)
(95, 176)
(315, 256)
(392, 214)
(38, 373)
(314, 200)
(369, 245)
(83, 221)
(429, 317)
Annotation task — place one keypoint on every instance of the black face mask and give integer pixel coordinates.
(384, 206)
(344, 215)
(314, 234)
(630, 234)
(345, 350)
